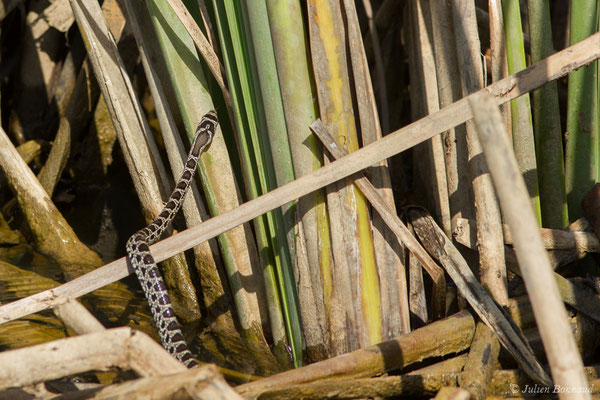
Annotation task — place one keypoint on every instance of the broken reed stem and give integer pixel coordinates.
(450, 335)
(553, 67)
(550, 313)
(492, 268)
(581, 297)
(74, 315)
(416, 384)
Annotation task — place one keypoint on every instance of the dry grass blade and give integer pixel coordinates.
(551, 68)
(551, 316)
(137, 144)
(125, 110)
(489, 223)
(394, 303)
(354, 272)
(428, 102)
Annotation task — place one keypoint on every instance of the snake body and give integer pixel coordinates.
(138, 251)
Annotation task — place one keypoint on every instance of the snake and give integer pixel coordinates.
(142, 261)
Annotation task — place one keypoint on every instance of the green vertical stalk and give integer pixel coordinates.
(275, 147)
(546, 124)
(582, 114)
(522, 130)
(259, 175)
(311, 232)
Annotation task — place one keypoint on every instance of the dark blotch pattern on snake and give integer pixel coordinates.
(138, 251)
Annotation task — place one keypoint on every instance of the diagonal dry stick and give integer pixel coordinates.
(203, 45)
(551, 68)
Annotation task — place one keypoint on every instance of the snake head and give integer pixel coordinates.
(205, 131)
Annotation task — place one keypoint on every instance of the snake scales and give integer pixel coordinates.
(138, 251)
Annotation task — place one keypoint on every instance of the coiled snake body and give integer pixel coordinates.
(138, 251)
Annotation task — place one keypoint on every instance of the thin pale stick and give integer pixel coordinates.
(551, 68)
(550, 314)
